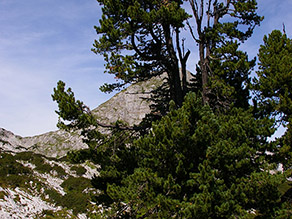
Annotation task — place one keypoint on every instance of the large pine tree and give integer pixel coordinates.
(197, 161)
(274, 81)
(220, 26)
(273, 86)
(196, 164)
(140, 39)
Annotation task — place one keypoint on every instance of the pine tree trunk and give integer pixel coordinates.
(176, 91)
(204, 70)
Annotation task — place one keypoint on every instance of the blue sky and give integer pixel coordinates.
(43, 41)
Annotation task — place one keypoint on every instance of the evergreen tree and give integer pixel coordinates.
(137, 42)
(195, 164)
(111, 150)
(229, 83)
(273, 86)
(149, 35)
(219, 27)
(274, 81)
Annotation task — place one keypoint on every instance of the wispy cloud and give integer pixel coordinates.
(42, 42)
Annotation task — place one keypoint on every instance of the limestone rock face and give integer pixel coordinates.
(52, 144)
(130, 106)
(10, 142)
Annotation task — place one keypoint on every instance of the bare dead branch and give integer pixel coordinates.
(192, 32)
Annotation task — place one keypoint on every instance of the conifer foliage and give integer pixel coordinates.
(143, 38)
(220, 27)
(275, 75)
(137, 42)
(196, 161)
(274, 85)
(195, 164)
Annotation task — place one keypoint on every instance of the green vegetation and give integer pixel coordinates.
(147, 37)
(30, 156)
(76, 184)
(2, 194)
(61, 214)
(39, 161)
(79, 170)
(76, 201)
(78, 156)
(59, 170)
(196, 164)
(273, 87)
(274, 81)
(74, 198)
(207, 155)
(285, 187)
(36, 159)
(43, 168)
(54, 196)
(14, 174)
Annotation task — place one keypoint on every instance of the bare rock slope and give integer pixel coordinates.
(52, 144)
(130, 106)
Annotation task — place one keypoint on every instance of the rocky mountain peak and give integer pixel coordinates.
(130, 106)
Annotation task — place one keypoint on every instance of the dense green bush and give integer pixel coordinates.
(60, 171)
(76, 184)
(39, 161)
(2, 194)
(14, 174)
(76, 200)
(15, 180)
(198, 164)
(54, 196)
(9, 165)
(43, 167)
(78, 156)
(25, 156)
(35, 159)
(79, 170)
(50, 214)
